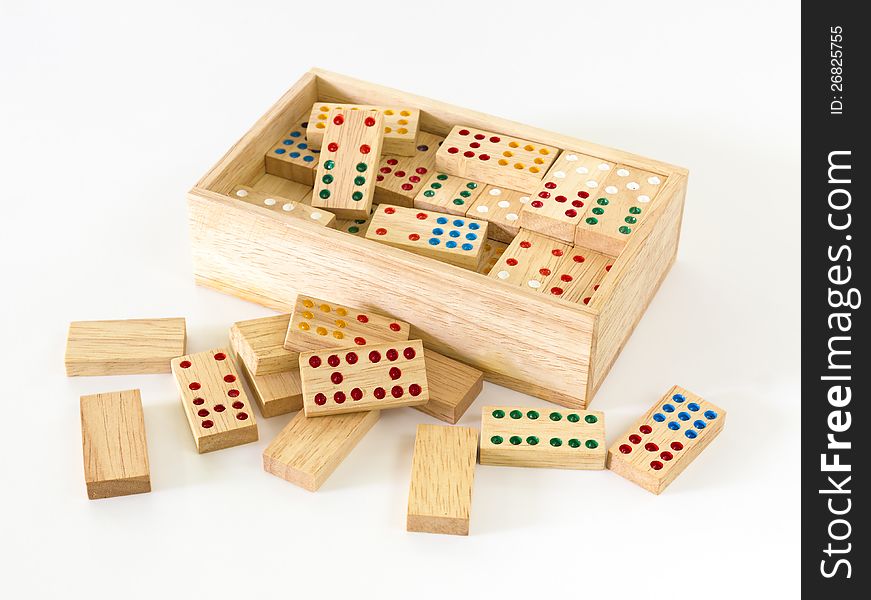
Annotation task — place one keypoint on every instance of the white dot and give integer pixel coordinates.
(632, 185)
(524, 199)
(604, 166)
(269, 202)
(288, 207)
(582, 170)
(241, 193)
(495, 192)
(571, 157)
(592, 183)
(611, 189)
(502, 274)
(559, 174)
(654, 180)
(623, 172)
(483, 209)
(316, 216)
(643, 199)
(533, 284)
(511, 217)
(503, 204)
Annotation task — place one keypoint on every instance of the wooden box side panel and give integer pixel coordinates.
(518, 338)
(624, 294)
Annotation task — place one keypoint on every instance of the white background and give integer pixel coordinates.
(110, 115)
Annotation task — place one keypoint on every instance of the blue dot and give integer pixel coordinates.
(287, 142)
(459, 222)
(434, 241)
(316, 151)
(691, 434)
(451, 244)
(295, 134)
(294, 155)
(454, 233)
(471, 236)
(683, 416)
(674, 425)
(438, 231)
(668, 408)
(474, 226)
(280, 150)
(308, 158)
(302, 146)
(442, 220)
(693, 406)
(710, 415)
(678, 397)
(467, 246)
(659, 417)
(699, 424)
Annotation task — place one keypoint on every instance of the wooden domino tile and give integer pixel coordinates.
(449, 238)
(371, 377)
(501, 208)
(400, 125)
(275, 394)
(579, 274)
(529, 260)
(565, 194)
(558, 439)
(357, 227)
(494, 158)
(666, 439)
(129, 347)
(493, 250)
(316, 324)
(442, 475)
(307, 451)
(216, 406)
(453, 386)
(344, 183)
(114, 449)
(260, 344)
(283, 205)
(292, 157)
(626, 198)
(400, 178)
(447, 194)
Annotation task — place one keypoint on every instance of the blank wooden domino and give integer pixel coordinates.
(442, 474)
(113, 445)
(558, 439)
(501, 208)
(316, 324)
(275, 394)
(307, 451)
(529, 260)
(283, 205)
(578, 276)
(493, 250)
(448, 194)
(453, 386)
(565, 194)
(400, 125)
(449, 238)
(625, 199)
(345, 179)
(292, 157)
(130, 347)
(260, 344)
(666, 439)
(373, 377)
(216, 406)
(494, 158)
(400, 178)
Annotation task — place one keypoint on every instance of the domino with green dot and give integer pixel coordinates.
(542, 437)
(448, 194)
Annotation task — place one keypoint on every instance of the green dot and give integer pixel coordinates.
(602, 201)
(324, 194)
(496, 439)
(592, 220)
(429, 193)
(598, 211)
(591, 444)
(357, 196)
(532, 440)
(635, 210)
(573, 418)
(515, 414)
(556, 442)
(441, 177)
(459, 201)
(436, 185)
(574, 443)
(498, 413)
(361, 167)
(472, 185)
(631, 220)
(465, 194)
(328, 165)
(533, 414)
(359, 180)
(359, 221)
(353, 229)
(591, 419)
(327, 178)
(555, 416)
(625, 230)
(515, 440)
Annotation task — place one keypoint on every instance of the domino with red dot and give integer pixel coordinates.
(666, 439)
(530, 260)
(400, 125)
(400, 178)
(578, 276)
(365, 378)
(215, 404)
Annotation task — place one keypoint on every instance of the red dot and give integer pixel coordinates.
(420, 170)
(207, 424)
(392, 354)
(556, 291)
(320, 399)
(537, 203)
(363, 318)
(241, 416)
(544, 271)
(651, 447)
(480, 136)
(525, 244)
(676, 446)
(414, 179)
(198, 401)
(578, 258)
(338, 119)
(550, 185)
(414, 389)
(365, 149)
(645, 429)
(336, 378)
(625, 448)
(413, 237)
(395, 326)
(596, 287)
(453, 150)
(577, 203)
(422, 216)
(185, 364)
(567, 278)
(395, 373)
(203, 412)
(666, 455)
(656, 465)
(475, 145)
(409, 353)
(314, 362)
(220, 408)
(332, 146)
(543, 194)
(333, 360)
(381, 231)
(556, 252)
(484, 157)
(220, 356)
(587, 300)
(237, 405)
(360, 341)
(584, 194)
(399, 173)
(608, 267)
(356, 394)
(379, 178)
(369, 121)
(468, 154)
(396, 391)
(229, 378)
(379, 393)
(495, 139)
(407, 187)
(351, 358)
(571, 212)
(560, 198)
(392, 162)
(635, 438)
(511, 262)
(195, 385)
(463, 132)
(339, 397)
(389, 210)
(385, 169)
(234, 393)
(375, 356)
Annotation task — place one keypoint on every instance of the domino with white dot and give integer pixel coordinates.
(286, 206)
(530, 260)
(501, 208)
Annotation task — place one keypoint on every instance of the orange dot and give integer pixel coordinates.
(325, 308)
(538, 161)
(508, 153)
(405, 113)
(304, 326)
(322, 117)
(388, 112)
(402, 122)
(544, 151)
(503, 162)
(321, 330)
(308, 303)
(388, 129)
(340, 323)
(338, 335)
(513, 144)
(320, 125)
(341, 311)
(307, 315)
(533, 169)
(518, 166)
(402, 131)
(325, 108)
(529, 147)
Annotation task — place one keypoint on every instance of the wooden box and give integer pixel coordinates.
(537, 343)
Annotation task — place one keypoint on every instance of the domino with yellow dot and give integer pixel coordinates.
(283, 205)
(400, 125)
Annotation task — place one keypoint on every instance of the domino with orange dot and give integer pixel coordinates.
(400, 125)
(449, 238)
(494, 158)
(400, 178)
(621, 204)
(563, 197)
(373, 377)
(448, 194)
(493, 250)
(501, 208)
(578, 276)
(529, 260)
(345, 179)
(280, 204)
(292, 157)
(215, 404)
(316, 324)
(666, 439)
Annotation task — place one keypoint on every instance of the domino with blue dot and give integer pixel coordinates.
(292, 157)
(449, 238)
(664, 441)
